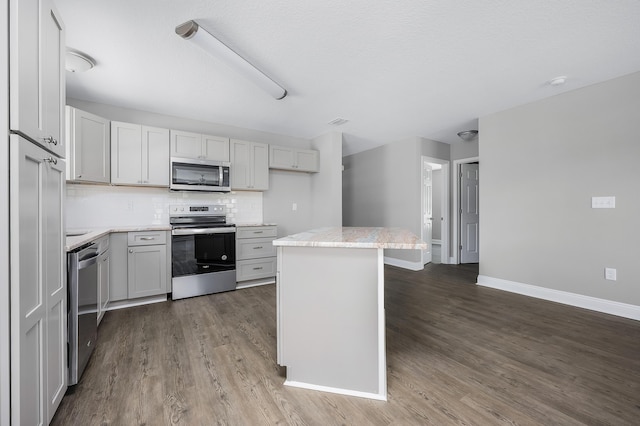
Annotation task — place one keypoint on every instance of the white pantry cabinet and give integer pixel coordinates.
(289, 158)
(139, 155)
(38, 283)
(249, 165)
(36, 64)
(202, 147)
(88, 147)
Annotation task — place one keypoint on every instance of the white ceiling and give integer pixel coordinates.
(394, 68)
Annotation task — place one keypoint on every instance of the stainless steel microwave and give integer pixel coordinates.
(190, 174)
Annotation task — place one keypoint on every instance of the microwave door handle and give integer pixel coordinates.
(221, 176)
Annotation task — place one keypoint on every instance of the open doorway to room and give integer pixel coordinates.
(435, 210)
(466, 201)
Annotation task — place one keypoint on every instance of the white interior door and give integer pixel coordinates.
(469, 213)
(427, 211)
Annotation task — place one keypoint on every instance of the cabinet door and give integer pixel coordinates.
(36, 72)
(155, 152)
(241, 164)
(103, 284)
(118, 258)
(126, 153)
(38, 284)
(215, 148)
(89, 146)
(281, 157)
(147, 270)
(307, 160)
(186, 144)
(260, 165)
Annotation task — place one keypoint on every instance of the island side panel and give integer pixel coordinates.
(331, 318)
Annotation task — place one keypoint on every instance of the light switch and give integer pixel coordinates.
(610, 274)
(603, 202)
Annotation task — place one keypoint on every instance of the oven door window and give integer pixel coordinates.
(202, 254)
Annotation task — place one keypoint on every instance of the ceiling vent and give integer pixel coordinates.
(338, 121)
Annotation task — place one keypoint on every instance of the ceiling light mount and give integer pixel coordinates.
(190, 30)
(558, 81)
(76, 61)
(338, 121)
(468, 135)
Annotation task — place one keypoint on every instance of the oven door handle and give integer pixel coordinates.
(199, 231)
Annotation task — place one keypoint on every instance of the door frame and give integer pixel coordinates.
(455, 259)
(444, 226)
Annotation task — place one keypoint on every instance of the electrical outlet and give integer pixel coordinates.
(603, 202)
(610, 274)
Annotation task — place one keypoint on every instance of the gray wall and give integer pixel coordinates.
(286, 187)
(326, 186)
(540, 165)
(381, 187)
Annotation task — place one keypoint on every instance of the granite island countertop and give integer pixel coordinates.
(354, 237)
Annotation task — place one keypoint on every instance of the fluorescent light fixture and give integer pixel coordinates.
(190, 30)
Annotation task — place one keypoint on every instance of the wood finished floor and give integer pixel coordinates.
(456, 354)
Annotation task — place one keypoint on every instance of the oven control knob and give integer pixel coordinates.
(224, 257)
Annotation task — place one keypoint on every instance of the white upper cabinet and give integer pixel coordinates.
(139, 155)
(196, 145)
(37, 90)
(88, 147)
(249, 165)
(289, 158)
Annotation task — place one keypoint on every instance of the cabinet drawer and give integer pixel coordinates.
(256, 231)
(147, 238)
(252, 248)
(255, 268)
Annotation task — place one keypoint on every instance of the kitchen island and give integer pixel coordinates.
(330, 302)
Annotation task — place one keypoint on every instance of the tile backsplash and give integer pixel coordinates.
(90, 206)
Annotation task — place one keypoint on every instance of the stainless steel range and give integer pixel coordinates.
(203, 250)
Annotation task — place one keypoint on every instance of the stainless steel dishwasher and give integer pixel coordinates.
(82, 276)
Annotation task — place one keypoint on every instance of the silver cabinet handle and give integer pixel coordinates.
(147, 238)
(51, 139)
(51, 160)
(257, 248)
(258, 232)
(258, 268)
(130, 250)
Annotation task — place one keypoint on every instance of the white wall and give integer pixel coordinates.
(540, 165)
(381, 187)
(436, 202)
(327, 185)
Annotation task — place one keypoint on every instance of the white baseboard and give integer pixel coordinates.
(128, 303)
(255, 283)
(587, 302)
(336, 390)
(405, 264)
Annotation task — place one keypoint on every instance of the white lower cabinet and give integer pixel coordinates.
(140, 265)
(255, 255)
(103, 283)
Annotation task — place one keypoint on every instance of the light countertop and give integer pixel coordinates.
(354, 237)
(88, 235)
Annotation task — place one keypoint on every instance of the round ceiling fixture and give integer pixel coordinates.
(558, 81)
(76, 61)
(468, 135)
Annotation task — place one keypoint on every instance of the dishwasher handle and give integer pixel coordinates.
(88, 261)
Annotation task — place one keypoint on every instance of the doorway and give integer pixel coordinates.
(466, 200)
(435, 210)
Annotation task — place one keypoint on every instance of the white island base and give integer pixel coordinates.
(331, 319)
